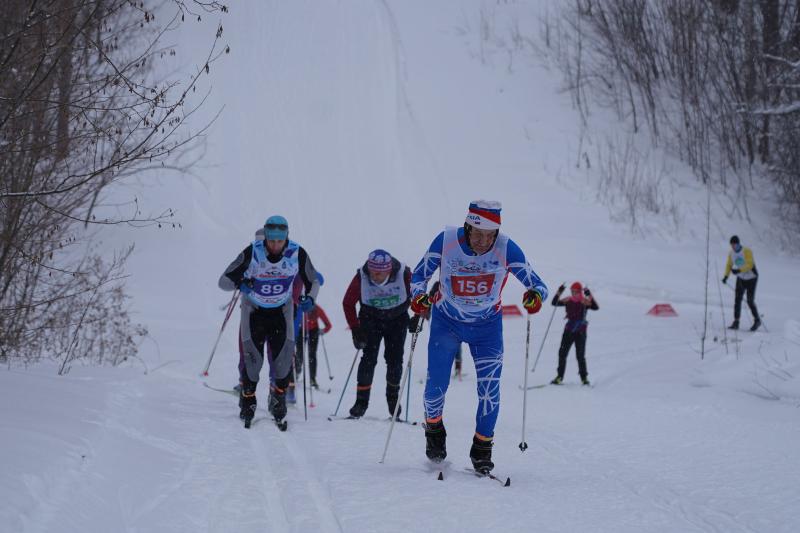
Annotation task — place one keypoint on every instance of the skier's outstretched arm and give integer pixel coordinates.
(523, 271)
(427, 266)
(232, 277)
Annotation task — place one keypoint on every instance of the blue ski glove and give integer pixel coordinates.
(306, 303)
(246, 285)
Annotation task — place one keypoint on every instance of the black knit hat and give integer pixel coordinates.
(735, 239)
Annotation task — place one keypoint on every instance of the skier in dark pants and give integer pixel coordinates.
(381, 287)
(264, 272)
(740, 262)
(312, 319)
(575, 330)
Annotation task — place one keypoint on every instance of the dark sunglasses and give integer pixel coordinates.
(282, 227)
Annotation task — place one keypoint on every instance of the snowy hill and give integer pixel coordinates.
(373, 124)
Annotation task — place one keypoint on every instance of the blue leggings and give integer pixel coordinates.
(485, 340)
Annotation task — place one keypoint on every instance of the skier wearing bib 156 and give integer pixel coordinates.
(473, 263)
(381, 288)
(264, 272)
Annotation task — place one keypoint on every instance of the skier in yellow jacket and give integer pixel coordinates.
(741, 263)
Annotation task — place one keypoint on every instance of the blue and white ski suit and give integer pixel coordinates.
(469, 311)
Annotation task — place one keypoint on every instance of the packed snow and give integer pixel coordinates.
(373, 124)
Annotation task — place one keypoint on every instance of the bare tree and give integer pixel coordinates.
(81, 108)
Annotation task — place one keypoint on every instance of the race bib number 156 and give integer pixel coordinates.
(472, 285)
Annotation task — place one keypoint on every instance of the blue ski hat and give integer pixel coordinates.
(276, 228)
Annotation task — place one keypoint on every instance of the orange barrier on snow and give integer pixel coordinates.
(511, 310)
(662, 310)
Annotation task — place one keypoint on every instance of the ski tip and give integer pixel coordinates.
(441, 476)
(508, 482)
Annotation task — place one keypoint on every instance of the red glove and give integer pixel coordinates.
(421, 304)
(532, 301)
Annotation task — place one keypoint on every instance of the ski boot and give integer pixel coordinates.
(247, 404)
(735, 324)
(756, 324)
(277, 404)
(362, 401)
(481, 455)
(585, 380)
(291, 397)
(391, 399)
(557, 380)
(314, 384)
(435, 439)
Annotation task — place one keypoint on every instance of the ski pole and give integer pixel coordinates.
(303, 348)
(541, 346)
(402, 386)
(325, 351)
(408, 391)
(346, 382)
(524, 445)
(228, 314)
(722, 310)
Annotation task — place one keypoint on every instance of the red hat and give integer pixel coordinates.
(576, 286)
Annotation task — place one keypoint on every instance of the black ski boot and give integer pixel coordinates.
(734, 325)
(277, 404)
(247, 403)
(362, 401)
(481, 455)
(391, 399)
(756, 324)
(557, 380)
(585, 380)
(435, 439)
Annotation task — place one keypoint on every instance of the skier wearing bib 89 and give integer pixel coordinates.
(473, 262)
(264, 272)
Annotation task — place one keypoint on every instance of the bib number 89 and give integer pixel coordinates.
(271, 290)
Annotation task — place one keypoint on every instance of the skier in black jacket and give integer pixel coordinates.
(577, 306)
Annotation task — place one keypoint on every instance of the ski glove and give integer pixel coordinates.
(735, 271)
(246, 285)
(725, 280)
(561, 288)
(421, 304)
(415, 322)
(306, 303)
(532, 301)
(359, 338)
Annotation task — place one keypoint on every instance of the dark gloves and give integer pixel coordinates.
(561, 288)
(586, 293)
(306, 303)
(725, 280)
(359, 338)
(735, 271)
(246, 285)
(415, 322)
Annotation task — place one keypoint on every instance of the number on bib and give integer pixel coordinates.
(472, 285)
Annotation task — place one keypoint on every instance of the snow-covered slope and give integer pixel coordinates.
(373, 124)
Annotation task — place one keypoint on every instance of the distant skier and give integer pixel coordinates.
(474, 261)
(577, 305)
(312, 319)
(381, 288)
(264, 273)
(740, 262)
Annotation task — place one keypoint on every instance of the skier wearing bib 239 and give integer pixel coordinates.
(264, 272)
(473, 262)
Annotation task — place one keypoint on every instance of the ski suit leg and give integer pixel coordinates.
(580, 353)
(486, 346)
(313, 342)
(280, 337)
(737, 302)
(567, 338)
(373, 330)
(750, 288)
(251, 341)
(443, 344)
(394, 339)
